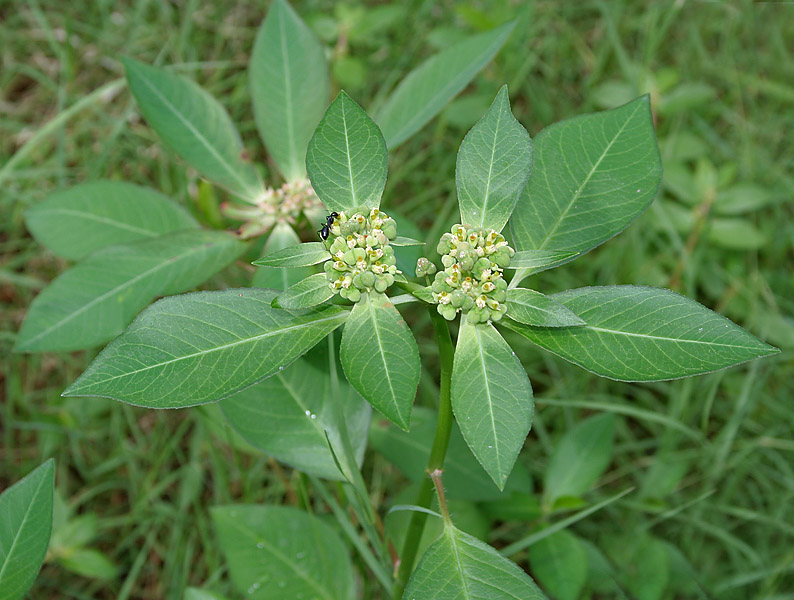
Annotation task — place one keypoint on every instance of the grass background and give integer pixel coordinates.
(722, 82)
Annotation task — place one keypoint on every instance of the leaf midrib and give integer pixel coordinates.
(490, 399)
(583, 185)
(666, 339)
(218, 348)
(490, 168)
(166, 262)
(100, 219)
(21, 527)
(386, 371)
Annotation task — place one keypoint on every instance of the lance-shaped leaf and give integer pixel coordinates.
(75, 222)
(194, 125)
(427, 89)
(494, 163)
(593, 175)
(491, 398)
(559, 562)
(347, 157)
(277, 552)
(25, 527)
(380, 357)
(459, 566)
(579, 459)
(289, 87)
(202, 347)
(96, 299)
(533, 308)
(539, 260)
(287, 417)
(299, 255)
(309, 292)
(636, 333)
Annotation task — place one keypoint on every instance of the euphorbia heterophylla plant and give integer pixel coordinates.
(581, 182)
(132, 244)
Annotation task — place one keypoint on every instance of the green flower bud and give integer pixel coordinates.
(349, 258)
(476, 315)
(499, 295)
(367, 279)
(447, 311)
(468, 302)
(501, 258)
(389, 279)
(380, 284)
(458, 298)
(353, 294)
(467, 263)
(357, 282)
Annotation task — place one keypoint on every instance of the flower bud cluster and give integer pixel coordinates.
(425, 267)
(472, 281)
(273, 205)
(363, 259)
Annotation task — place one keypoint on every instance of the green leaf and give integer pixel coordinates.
(96, 299)
(461, 567)
(579, 459)
(347, 157)
(427, 89)
(199, 594)
(491, 399)
(493, 166)
(202, 347)
(25, 526)
(75, 222)
(380, 357)
(282, 236)
(534, 261)
(277, 552)
(644, 564)
(289, 87)
(194, 125)
(299, 255)
(593, 175)
(88, 562)
(405, 241)
(559, 562)
(464, 478)
(287, 416)
(637, 333)
(533, 308)
(309, 292)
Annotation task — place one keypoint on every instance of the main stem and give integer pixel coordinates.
(446, 352)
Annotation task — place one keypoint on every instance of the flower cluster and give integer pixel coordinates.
(472, 281)
(363, 259)
(285, 203)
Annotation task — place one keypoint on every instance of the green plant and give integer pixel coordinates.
(267, 329)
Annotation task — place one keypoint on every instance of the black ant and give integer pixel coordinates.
(326, 229)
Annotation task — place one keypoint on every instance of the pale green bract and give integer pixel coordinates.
(347, 157)
(491, 398)
(636, 333)
(460, 567)
(289, 85)
(533, 308)
(306, 293)
(426, 89)
(194, 125)
(493, 166)
(77, 221)
(25, 527)
(202, 347)
(380, 357)
(277, 552)
(96, 299)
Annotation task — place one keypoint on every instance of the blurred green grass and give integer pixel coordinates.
(722, 82)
